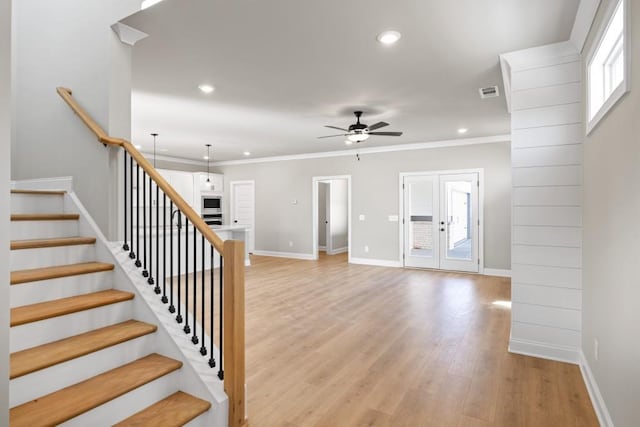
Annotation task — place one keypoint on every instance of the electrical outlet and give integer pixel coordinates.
(366, 249)
(361, 217)
(596, 349)
(290, 244)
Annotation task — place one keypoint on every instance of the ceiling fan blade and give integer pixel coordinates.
(378, 125)
(335, 127)
(386, 133)
(332, 136)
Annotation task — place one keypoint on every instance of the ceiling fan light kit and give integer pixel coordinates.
(360, 132)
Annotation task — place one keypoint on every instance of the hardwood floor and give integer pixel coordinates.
(334, 344)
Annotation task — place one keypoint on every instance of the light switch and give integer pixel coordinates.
(361, 217)
(393, 218)
(294, 201)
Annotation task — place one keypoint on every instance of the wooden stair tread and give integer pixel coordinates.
(39, 192)
(46, 273)
(62, 405)
(60, 307)
(176, 410)
(34, 359)
(51, 243)
(45, 217)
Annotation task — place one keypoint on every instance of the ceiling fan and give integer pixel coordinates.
(359, 132)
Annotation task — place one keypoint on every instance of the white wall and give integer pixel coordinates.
(339, 210)
(375, 194)
(546, 157)
(611, 300)
(70, 43)
(5, 168)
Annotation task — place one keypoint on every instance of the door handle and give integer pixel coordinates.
(441, 222)
(235, 221)
(442, 229)
(326, 222)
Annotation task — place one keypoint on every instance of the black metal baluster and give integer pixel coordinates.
(186, 328)
(150, 279)
(172, 308)
(164, 249)
(179, 316)
(157, 289)
(132, 254)
(145, 273)
(125, 245)
(220, 334)
(138, 263)
(194, 338)
(212, 360)
(203, 349)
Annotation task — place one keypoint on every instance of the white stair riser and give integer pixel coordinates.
(25, 259)
(45, 381)
(23, 230)
(57, 328)
(126, 405)
(36, 203)
(47, 290)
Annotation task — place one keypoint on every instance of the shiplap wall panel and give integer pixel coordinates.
(547, 176)
(570, 237)
(547, 255)
(546, 275)
(547, 136)
(545, 295)
(546, 252)
(561, 155)
(559, 216)
(546, 316)
(546, 96)
(549, 75)
(547, 196)
(547, 116)
(546, 335)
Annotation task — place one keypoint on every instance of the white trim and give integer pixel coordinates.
(497, 272)
(149, 156)
(372, 150)
(625, 85)
(315, 182)
(594, 392)
(292, 255)
(584, 19)
(337, 251)
(128, 35)
(252, 229)
(322, 248)
(376, 262)
(544, 351)
(480, 172)
(60, 183)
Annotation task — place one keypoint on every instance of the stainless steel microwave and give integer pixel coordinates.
(211, 204)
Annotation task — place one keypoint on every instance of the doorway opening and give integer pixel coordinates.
(331, 223)
(441, 224)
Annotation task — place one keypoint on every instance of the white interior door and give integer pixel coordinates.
(441, 228)
(459, 222)
(243, 209)
(421, 216)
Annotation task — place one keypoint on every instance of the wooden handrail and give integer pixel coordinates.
(177, 200)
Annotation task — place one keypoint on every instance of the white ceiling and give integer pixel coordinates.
(283, 69)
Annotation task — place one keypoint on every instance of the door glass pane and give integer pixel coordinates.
(459, 220)
(421, 219)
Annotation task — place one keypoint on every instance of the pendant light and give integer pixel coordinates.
(208, 185)
(154, 149)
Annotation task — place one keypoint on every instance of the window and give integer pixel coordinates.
(607, 67)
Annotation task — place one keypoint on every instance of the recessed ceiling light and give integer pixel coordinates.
(138, 147)
(463, 130)
(205, 157)
(148, 3)
(348, 142)
(247, 153)
(389, 37)
(206, 88)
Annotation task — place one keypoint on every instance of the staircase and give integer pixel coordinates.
(78, 354)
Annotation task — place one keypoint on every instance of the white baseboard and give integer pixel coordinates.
(594, 392)
(545, 351)
(376, 262)
(322, 248)
(497, 272)
(284, 254)
(60, 183)
(338, 251)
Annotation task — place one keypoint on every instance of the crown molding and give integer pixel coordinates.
(149, 156)
(372, 150)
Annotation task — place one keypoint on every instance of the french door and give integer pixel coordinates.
(441, 221)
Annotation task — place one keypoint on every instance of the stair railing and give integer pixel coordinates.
(155, 242)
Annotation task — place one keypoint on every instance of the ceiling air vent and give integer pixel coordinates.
(489, 92)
